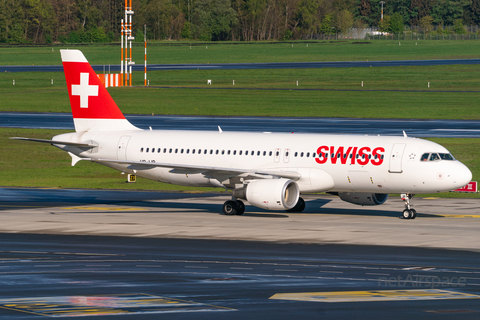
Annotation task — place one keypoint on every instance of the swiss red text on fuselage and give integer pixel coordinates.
(350, 155)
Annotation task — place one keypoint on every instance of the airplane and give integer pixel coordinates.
(269, 170)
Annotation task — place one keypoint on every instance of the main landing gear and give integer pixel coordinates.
(409, 212)
(233, 207)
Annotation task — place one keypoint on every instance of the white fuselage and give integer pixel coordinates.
(377, 164)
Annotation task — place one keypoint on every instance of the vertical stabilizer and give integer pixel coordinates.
(93, 108)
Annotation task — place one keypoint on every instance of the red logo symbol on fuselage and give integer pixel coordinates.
(361, 156)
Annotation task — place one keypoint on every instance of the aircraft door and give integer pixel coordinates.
(286, 155)
(396, 158)
(277, 155)
(122, 148)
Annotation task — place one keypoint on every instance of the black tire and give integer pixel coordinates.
(230, 208)
(299, 207)
(414, 214)
(240, 207)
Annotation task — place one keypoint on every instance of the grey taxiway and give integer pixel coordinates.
(143, 255)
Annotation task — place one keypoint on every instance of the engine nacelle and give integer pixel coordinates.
(364, 199)
(270, 194)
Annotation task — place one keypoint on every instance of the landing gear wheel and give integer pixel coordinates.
(299, 207)
(409, 212)
(230, 208)
(414, 214)
(240, 207)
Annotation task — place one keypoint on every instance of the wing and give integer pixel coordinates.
(215, 172)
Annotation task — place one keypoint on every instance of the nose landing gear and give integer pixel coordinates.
(409, 212)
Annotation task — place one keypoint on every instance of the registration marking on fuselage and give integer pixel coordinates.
(71, 306)
(375, 295)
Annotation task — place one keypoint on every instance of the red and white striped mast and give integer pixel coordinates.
(145, 38)
(127, 32)
(121, 50)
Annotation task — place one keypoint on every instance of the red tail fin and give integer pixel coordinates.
(93, 108)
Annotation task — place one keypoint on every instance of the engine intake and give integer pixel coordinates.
(270, 194)
(363, 199)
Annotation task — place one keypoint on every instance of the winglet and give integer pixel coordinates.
(75, 158)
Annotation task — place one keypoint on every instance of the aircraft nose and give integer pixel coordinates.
(462, 175)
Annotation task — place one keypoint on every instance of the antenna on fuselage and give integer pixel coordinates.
(404, 134)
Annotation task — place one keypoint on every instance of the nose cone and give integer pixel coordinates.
(462, 175)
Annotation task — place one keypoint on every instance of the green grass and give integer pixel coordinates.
(33, 92)
(175, 52)
(29, 164)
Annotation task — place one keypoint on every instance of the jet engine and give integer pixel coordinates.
(270, 194)
(363, 199)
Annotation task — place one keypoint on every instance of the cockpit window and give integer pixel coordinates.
(436, 157)
(446, 156)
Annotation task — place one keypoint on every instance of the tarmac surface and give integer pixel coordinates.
(274, 65)
(413, 127)
(145, 255)
(441, 223)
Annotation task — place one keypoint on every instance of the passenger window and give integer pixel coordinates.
(193, 151)
(159, 150)
(141, 149)
(286, 154)
(308, 154)
(246, 152)
(296, 154)
(164, 150)
(170, 151)
(153, 150)
(264, 153)
(211, 151)
(188, 151)
(234, 152)
(147, 149)
(278, 153)
(223, 152)
(301, 154)
(240, 152)
(181, 151)
(270, 153)
(205, 151)
(252, 153)
(258, 153)
(216, 152)
(176, 150)
(228, 152)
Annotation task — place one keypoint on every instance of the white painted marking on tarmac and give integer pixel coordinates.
(287, 270)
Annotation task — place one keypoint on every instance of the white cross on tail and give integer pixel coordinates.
(84, 90)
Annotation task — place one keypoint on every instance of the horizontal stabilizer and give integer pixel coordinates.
(65, 143)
